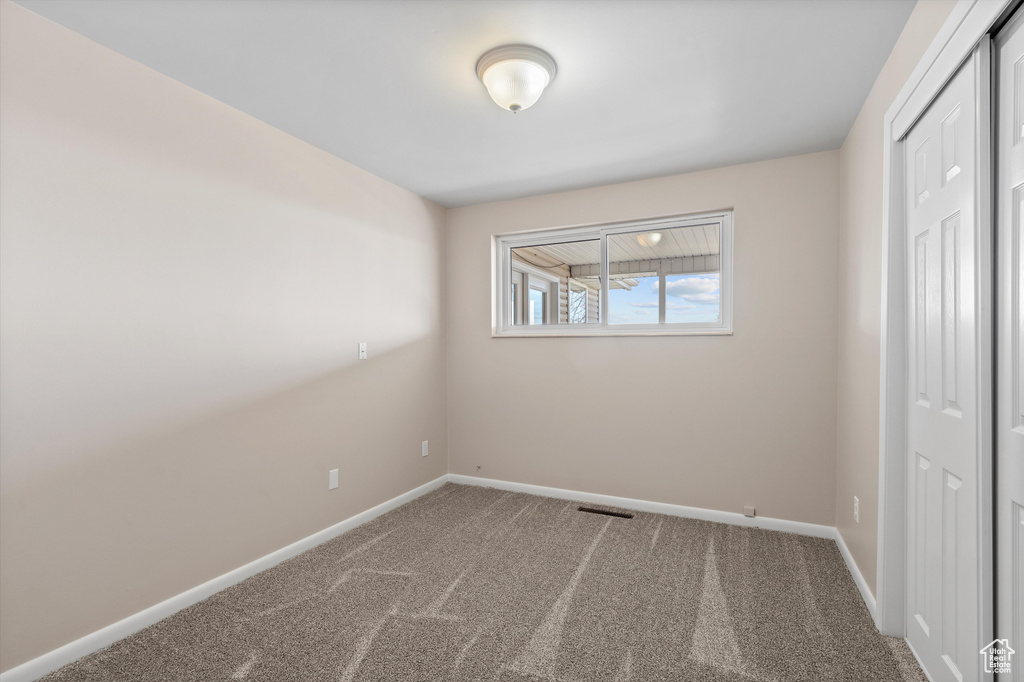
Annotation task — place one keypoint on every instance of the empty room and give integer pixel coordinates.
(511, 340)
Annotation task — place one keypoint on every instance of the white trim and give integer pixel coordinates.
(714, 515)
(969, 21)
(858, 577)
(985, 342)
(502, 245)
(48, 662)
(967, 24)
(891, 566)
(549, 331)
(732, 518)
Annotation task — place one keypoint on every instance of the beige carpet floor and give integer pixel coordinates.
(469, 583)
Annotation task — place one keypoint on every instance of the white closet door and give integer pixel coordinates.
(946, 340)
(1009, 478)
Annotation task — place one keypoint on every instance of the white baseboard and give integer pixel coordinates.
(100, 639)
(858, 578)
(37, 667)
(798, 527)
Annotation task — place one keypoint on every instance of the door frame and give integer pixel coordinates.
(969, 22)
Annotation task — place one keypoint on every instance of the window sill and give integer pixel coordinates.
(560, 333)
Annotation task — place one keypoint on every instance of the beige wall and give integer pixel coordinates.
(706, 421)
(860, 290)
(182, 288)
(182, 291)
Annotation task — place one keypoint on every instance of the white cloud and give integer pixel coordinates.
(689, 286)
(693, 288)
(675, 305)
(645, 304)
(643, 312)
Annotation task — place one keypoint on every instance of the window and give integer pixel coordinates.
(664, 276)
(538, 306)
(579, 303)
(533, 296)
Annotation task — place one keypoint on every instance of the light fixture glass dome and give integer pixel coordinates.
(515, 75)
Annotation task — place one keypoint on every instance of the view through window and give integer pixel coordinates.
(662, 275)
(555, 296)
(683, 259)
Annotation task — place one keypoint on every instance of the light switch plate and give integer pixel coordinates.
(362, 351)
(332, 480)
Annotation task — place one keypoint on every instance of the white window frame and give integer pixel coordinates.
(504, 265)
(586, 300)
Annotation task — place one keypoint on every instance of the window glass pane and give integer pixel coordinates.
(687, 258)
(580, 300)
(692, 298)
(538, 301)
(552, 272)
(633, 298)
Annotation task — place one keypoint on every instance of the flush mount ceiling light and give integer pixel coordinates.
(515, 75)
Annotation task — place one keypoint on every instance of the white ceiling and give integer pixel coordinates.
(644, 87)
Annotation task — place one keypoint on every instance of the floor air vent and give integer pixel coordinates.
(605, 512)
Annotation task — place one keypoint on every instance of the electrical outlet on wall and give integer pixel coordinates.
(856, 509)
(425, 449)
